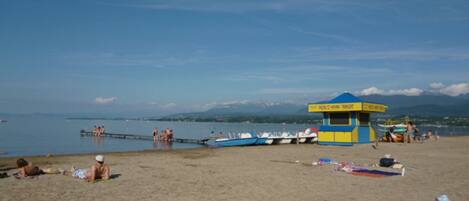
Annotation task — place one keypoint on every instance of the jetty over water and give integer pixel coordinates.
(144, 137)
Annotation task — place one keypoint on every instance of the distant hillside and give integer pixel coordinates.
(257, 108)
(432, 110)
(400, 101)
(424, 105)
(250, 112)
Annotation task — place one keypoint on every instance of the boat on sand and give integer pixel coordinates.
(265, 139)
(244, 139)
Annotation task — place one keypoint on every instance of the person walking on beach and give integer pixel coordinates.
(409, 133)
(155, 134)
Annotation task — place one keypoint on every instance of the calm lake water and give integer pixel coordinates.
(40, 135)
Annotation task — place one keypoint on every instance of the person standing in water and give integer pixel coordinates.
(102, 130)
(170, 135)
(95, 131)
(155, 134)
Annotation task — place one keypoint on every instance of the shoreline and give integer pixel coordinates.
(109, 152)
(181, 149)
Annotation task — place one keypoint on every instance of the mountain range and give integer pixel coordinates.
(423, 105)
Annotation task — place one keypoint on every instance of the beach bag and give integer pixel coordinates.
(386, 162)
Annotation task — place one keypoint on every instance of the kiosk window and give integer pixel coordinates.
(339, 118)
(364, 118)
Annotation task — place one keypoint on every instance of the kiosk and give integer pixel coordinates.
(346, 120)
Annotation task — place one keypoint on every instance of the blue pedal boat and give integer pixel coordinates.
(245, 139)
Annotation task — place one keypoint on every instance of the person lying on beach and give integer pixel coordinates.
(98, 171)
(28, 169)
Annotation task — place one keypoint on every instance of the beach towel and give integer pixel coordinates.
(374, 173)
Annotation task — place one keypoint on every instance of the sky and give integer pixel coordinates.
(159, 56)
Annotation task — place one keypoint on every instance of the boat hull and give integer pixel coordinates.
(309, 140)
(276, 140)
(236, 142)
(264, 141)
(285, 141)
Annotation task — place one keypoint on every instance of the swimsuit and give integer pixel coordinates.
(80, 173)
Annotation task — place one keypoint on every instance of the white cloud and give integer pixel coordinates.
(437, 85)
(455, 89)
(103, 100)
(371, 91)
(405, 92)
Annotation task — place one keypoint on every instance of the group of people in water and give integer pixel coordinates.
(411, 134)
(165, 136)
(98, 130)
(99, 170)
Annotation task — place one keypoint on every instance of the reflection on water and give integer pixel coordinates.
(162, 145)
(98, 140)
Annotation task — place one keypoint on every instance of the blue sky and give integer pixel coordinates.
(176, 56)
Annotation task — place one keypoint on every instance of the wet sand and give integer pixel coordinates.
(282, 172)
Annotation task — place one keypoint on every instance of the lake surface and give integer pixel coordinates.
(41, 135)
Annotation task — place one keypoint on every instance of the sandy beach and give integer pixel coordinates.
(281, 172)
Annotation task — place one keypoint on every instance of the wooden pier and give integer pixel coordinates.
(144, 137)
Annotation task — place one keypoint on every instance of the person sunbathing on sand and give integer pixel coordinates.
(28, 169)
(98, 171)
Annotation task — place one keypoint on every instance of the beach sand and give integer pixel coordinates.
(281, 172)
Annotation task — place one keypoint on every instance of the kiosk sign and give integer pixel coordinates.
(346, 107)
(374, 107)
(335, 107)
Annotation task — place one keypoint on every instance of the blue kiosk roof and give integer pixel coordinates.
(346, 98)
